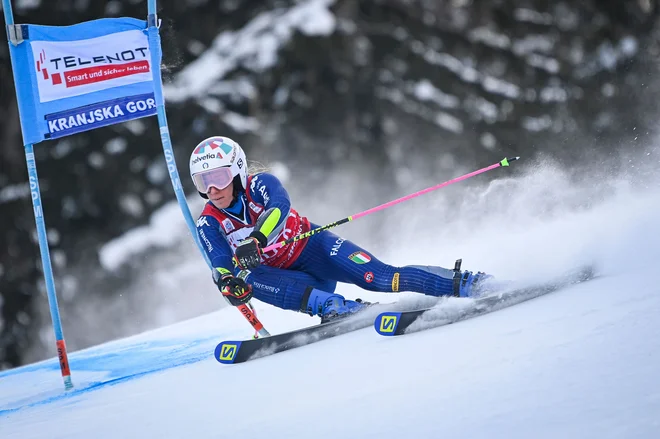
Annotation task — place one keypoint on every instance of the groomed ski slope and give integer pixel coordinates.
(579, 363)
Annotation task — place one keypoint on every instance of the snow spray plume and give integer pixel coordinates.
(502, 163)
(560, 217)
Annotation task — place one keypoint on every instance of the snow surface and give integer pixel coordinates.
(580, 363)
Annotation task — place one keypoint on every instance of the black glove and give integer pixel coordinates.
(235, 289)
(248, 251)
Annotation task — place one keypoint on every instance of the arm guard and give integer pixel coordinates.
(268, 226)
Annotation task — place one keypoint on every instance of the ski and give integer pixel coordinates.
(389, 323)
(233, 352)
(406, 322)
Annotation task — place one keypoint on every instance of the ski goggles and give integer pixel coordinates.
(218, 178)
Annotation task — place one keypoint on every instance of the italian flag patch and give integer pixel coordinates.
(360, 258)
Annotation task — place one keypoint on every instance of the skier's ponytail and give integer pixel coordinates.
(255, 167)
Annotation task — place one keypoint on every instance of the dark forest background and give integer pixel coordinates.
(373, 83)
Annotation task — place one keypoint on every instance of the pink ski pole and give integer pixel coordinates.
(502, 163)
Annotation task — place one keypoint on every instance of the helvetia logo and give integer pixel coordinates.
(201, 158)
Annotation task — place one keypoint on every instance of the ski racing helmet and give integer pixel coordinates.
(217, 161)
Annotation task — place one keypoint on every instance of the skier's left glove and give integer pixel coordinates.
(248, 252)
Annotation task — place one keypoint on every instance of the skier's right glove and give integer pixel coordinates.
(236, 290)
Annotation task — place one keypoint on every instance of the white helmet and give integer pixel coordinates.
(219, 154)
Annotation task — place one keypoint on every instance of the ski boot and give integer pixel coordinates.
(331, 306)
(467, 283)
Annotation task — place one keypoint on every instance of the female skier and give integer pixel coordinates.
(246, 213)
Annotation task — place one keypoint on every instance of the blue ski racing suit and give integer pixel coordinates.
(302, 276)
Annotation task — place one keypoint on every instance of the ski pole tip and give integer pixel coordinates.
(506, 162)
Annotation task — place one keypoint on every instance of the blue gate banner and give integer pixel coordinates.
(76, 78)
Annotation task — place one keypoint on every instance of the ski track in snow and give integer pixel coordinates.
(578, 363)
